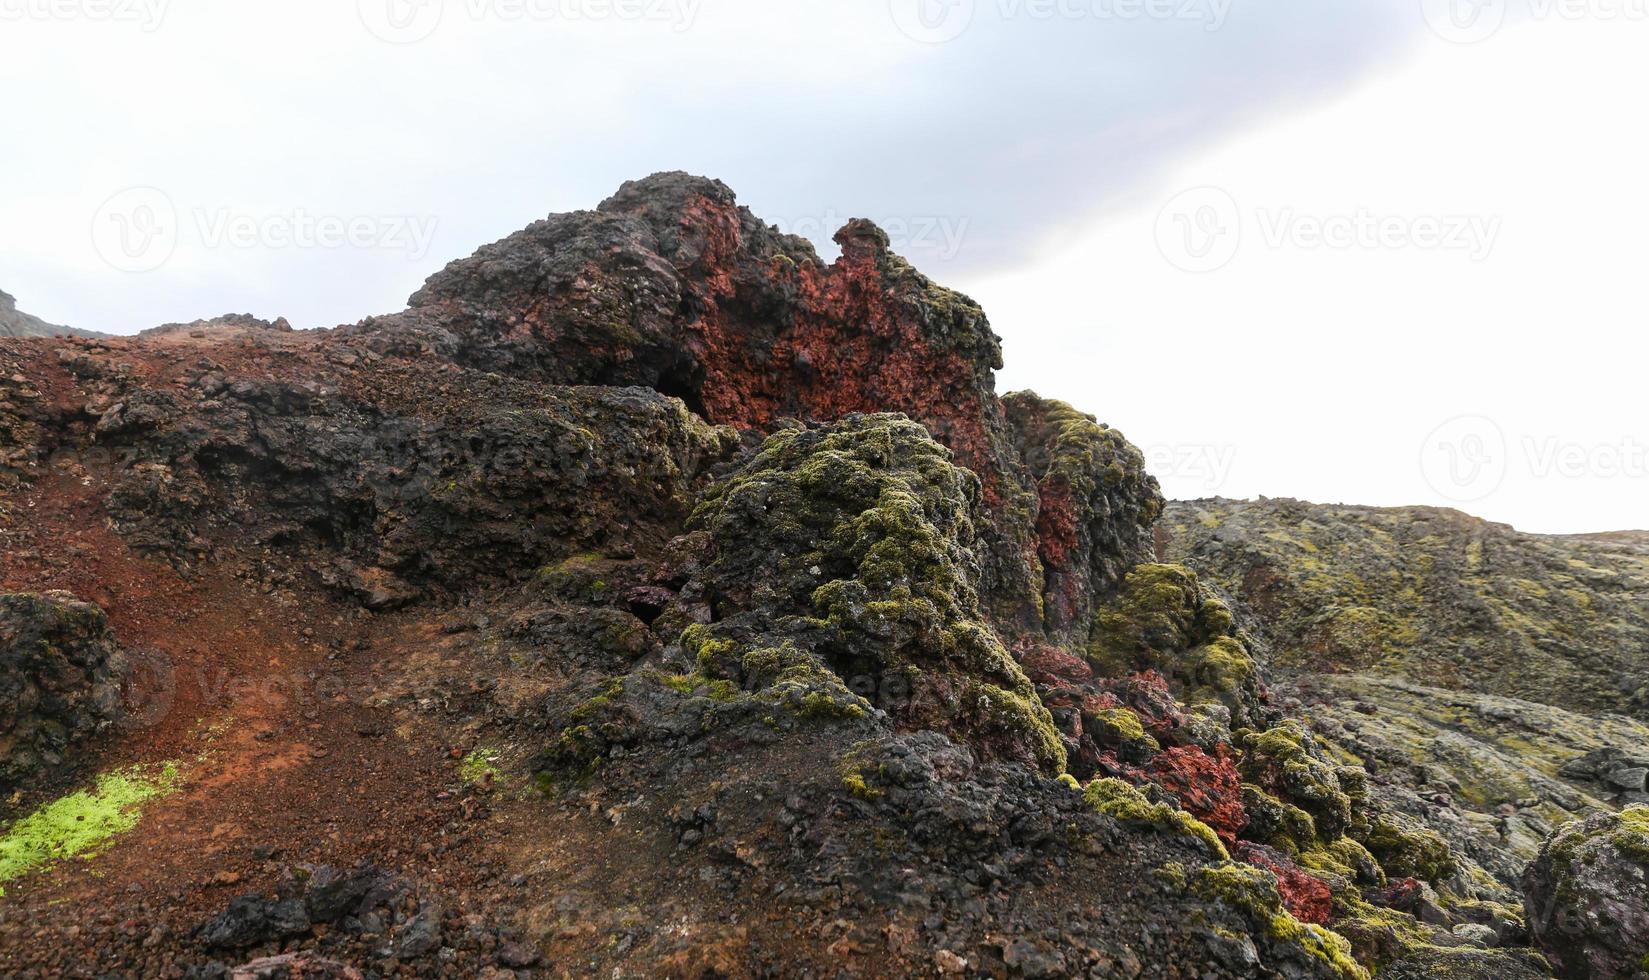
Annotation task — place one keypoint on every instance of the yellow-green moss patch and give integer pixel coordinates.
(84, 822)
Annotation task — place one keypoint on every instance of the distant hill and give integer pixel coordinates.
(15, 323)
(1432, 596)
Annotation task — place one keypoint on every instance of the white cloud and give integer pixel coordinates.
(1323, 369)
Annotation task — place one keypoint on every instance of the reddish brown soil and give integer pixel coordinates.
(265, 710)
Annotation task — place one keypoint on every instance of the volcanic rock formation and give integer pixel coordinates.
(653, 597)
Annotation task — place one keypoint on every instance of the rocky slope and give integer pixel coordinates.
(654, 598)
(1492, 681)
(16, 323)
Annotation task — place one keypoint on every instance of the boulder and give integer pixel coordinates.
(1587, 896)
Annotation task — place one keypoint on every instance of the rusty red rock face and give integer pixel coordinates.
(670, 284)
(1308, 898)
(1208, 787)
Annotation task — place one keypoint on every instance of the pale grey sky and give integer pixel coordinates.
(1438, 204)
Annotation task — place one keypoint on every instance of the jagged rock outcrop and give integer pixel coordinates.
(391, 476)
(1096, 506)
(60, 678)
(1587, 897)
(672, 285)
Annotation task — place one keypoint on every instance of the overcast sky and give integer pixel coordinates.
(1372, 251)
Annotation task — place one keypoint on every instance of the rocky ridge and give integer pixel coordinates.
(704, 611)
(16, 323)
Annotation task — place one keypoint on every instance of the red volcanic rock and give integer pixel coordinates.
(1053, 666)
(1148, 694)
(1308, 898)
(671, 285)
(1208, 787)
(1096, 506)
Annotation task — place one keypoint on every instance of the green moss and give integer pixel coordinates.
(1631, 835)
(697, 685)
(1162, 619)
(1344, 858)
(714, 655)
(1121, 801)
(1410, 852)
(1121, 729)
(480, 768)
(1289, 759)
(82, 823)
(861, 534)
(854, 783)
(1281, 825)
(1253, 893)
(1155, 610)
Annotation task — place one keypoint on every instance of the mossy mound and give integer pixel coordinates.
(837, 573)
(1162, 619)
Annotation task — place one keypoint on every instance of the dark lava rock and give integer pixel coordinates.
(253, 919)
(1587, 897)
(59, 682)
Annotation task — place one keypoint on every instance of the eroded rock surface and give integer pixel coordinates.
(59, 682)
(1587, 896)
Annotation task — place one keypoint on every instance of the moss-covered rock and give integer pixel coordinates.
(1096, 508)
(1162, 619)
(837, 571)
(1287, 762)
(1587, 896)
(1252, 894)
(1124, 802)
(1407, 851)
